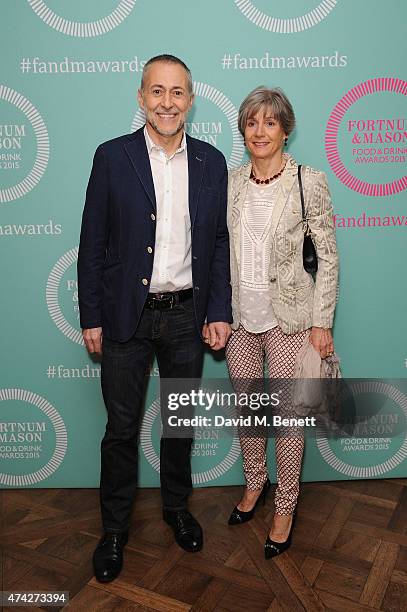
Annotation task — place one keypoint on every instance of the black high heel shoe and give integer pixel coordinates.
(238, 516)
(272, 549)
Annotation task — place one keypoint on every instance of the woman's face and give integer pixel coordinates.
(264, 135)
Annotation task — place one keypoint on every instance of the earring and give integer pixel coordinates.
(285, 141)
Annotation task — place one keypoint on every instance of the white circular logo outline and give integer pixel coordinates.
(61, 443)
(153, 459)
(81, 29)
(41, 161)
(52, 298)
(225, 105)
(289, 25)
(357, 471)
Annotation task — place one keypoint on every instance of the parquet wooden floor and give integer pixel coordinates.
(349, 552)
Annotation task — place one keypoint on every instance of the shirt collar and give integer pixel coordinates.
(151, 145)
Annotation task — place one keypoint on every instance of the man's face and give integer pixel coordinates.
(165, 97)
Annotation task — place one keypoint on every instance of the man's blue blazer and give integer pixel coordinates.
(119, 224)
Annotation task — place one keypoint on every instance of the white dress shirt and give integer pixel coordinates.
(172, 266)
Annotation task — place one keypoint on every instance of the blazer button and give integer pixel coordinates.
(149, 250)
(144, 281)
(196, 288)
(152, 216)
(273, 279)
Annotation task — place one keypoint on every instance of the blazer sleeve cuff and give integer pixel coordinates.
(90, 323)
(219, 316)
(324, 322)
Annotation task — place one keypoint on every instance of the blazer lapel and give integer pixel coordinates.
(136, 149)
(196, 166)
(287, 181)
(239, 195)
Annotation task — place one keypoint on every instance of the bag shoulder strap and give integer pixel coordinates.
(301, 192)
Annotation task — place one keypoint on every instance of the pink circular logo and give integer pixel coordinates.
(367, 88)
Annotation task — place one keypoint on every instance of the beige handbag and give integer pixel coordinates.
(311, 394)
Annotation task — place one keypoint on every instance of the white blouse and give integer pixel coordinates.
(257, 314)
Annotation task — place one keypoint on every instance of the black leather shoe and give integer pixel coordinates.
(272, 548)
(238, 516)
(108, 556)
(187, 530)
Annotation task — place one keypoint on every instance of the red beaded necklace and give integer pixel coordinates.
(267, 180)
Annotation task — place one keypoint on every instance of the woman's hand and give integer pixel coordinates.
(322, 341)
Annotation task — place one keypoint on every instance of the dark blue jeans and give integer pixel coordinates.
(173, 336)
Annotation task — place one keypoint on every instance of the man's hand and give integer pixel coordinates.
(216, 334)
(322, 341)
(93, 339)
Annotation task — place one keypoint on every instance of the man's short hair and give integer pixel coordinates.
(170, 59)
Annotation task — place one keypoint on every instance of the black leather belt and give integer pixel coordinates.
(165, 301)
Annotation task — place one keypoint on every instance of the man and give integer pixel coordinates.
(153, 272)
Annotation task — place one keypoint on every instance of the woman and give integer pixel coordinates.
(276, 304)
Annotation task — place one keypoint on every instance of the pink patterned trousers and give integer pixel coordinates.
(246, 353)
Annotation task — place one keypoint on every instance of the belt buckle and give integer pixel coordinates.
(164, 299)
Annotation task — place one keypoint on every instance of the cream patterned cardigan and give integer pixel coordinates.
(298, 302)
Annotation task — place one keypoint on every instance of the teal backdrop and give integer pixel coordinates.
(70, 70)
